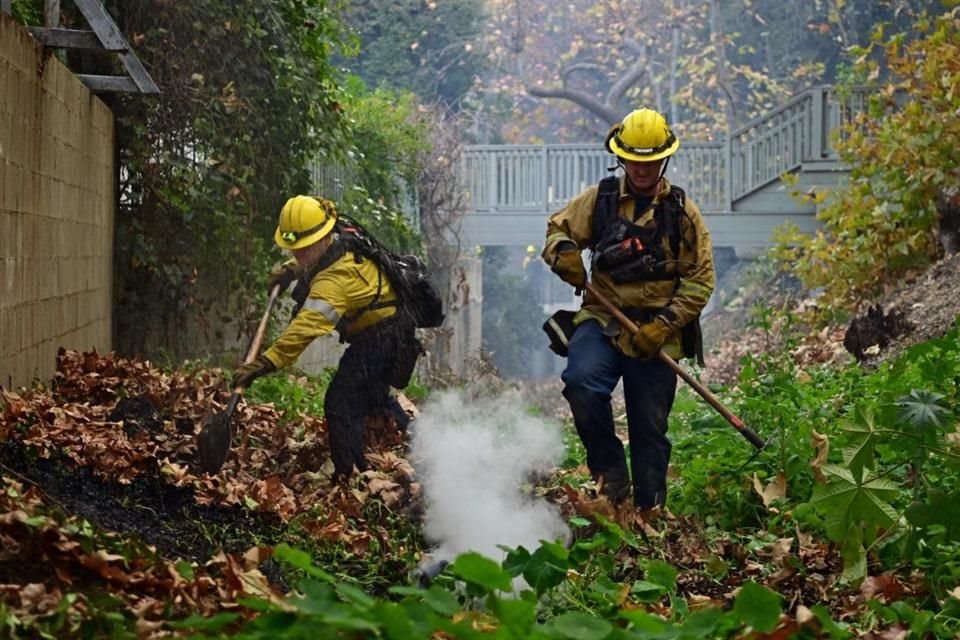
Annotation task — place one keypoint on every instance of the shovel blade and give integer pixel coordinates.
(213, 443)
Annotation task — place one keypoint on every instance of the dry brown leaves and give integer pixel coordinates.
(823, 347)
(283, 467)
(59, 556)
(124, 417)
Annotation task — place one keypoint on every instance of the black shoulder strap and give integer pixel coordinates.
(346, 240)
(605, 208)
(672, 210)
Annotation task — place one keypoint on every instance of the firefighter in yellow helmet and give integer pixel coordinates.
(530, 257)
(340, 289)
(650, 254)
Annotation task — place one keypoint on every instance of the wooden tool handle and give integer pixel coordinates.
(705, 393)
(261, 332)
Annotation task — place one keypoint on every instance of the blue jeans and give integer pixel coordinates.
(594, 366)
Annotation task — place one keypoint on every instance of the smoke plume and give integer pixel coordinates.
(474, 458)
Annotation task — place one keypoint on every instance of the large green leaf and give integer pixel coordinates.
(847, 500)
(482, 571)
(441, 600)
(701, 624)
(645, 591)
(854, 556)
(516, 561)
(395, 620)
(923, 409)
(863, 437)
(580, 626)
(547, 566)
(517, 615)
(661, 573)
(757, 606)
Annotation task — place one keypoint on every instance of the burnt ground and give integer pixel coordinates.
(112, 441)
(161, 514)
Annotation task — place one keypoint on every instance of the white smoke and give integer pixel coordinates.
(473, 458)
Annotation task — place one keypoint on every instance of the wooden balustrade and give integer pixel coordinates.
(541, 178)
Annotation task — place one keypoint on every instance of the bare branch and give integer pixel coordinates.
(567, 71)
(588, 102)
(620, 87)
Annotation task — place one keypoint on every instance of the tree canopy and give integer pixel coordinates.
(567, 71)
(429, 47)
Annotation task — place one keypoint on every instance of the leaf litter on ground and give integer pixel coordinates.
(126, 423)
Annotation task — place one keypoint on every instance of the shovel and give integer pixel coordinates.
(705, 393)
(213, 443)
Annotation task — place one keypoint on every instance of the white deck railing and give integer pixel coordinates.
(541, 178)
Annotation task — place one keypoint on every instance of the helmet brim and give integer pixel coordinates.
(305, 241)
(623, 154)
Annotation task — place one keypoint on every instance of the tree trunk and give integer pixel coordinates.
(723, 74)
(674, 62)
(948, 221)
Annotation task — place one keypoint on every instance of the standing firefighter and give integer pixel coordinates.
(343, 285)
(650, 256)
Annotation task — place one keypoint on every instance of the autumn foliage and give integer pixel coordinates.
(904, 159)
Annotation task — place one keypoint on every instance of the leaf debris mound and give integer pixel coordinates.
(112, 441)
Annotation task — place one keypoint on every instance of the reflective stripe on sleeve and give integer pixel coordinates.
(324, 308)
(550, 248)
(694, 290)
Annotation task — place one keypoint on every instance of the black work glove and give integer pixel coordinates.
(283, 275)
(247, 373)
(568, 265)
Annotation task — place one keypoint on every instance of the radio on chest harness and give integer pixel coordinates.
(629, 252)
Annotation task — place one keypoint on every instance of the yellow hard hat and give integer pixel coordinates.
(303, 221)
(643, 136)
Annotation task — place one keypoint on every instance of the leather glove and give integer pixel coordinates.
(651, 336)
(247, 373)
(284, 275)
(568, 265)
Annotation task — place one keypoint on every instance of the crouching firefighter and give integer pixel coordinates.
(651, 256)
(345, 281)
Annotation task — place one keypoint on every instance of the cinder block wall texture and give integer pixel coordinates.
(57, 206)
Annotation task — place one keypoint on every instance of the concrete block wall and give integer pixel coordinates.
(57, 203)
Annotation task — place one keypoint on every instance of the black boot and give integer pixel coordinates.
(615, 485)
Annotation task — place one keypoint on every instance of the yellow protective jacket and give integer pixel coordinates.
(342, 290)
(684, 298)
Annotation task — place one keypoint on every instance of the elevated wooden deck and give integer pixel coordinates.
(737, 182)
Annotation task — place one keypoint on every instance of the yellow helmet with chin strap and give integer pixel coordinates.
(304, 220)
(643, 136)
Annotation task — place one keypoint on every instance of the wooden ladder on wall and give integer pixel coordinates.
(103, 35)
